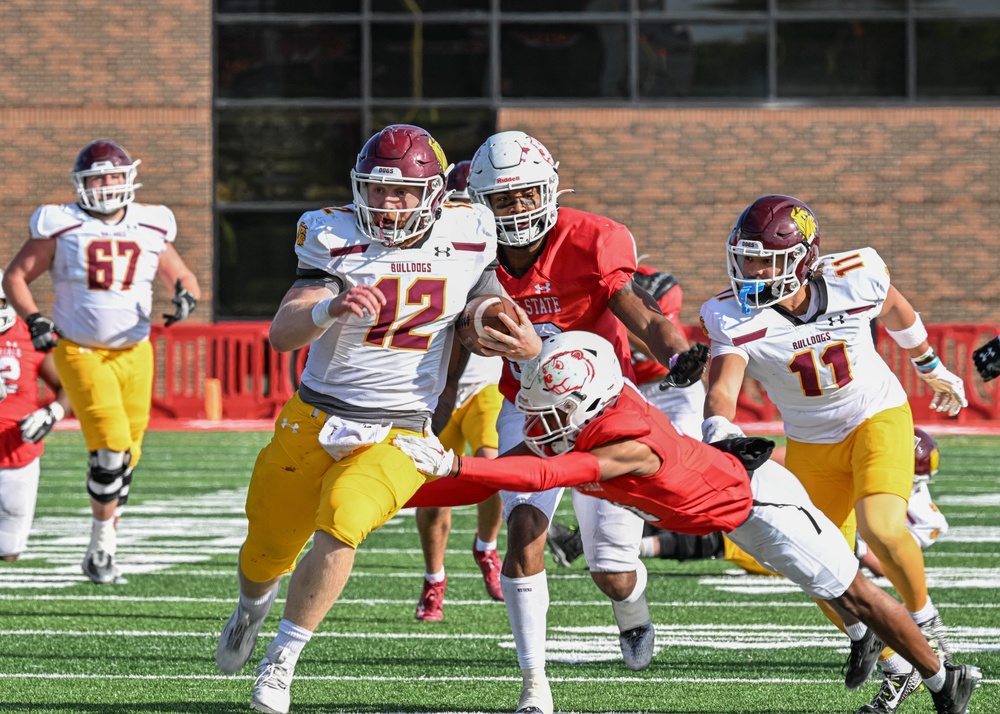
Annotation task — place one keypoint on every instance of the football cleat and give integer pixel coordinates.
(99, 566)
(565, 544)
(637, 646)
(274, 678)
(239, 637)
(862, 659)
(960, 682)
(895, 689)
(430, 608)
(937, 638)
(489, 562)
(535, 699)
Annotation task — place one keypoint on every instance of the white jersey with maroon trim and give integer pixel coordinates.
(396, 360)
(103, 272)
(821, 370)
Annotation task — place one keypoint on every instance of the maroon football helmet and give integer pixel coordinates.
(458, 182)
(99, 158)
(783, 229)
(926, 454)
(399, 155)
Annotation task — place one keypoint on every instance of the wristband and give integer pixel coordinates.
(910, 337)
(57, 410)
(927, 362)
(321, 314)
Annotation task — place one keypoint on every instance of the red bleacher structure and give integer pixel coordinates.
(231, 364)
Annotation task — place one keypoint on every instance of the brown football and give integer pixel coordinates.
(483, 311)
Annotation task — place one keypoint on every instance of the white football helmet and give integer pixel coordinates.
(7, 315)
(99, 158)
(399, 155)
(571, 381)
(512, 160)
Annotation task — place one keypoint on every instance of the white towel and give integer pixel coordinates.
(341, 437)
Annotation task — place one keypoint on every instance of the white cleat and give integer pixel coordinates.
(99, 566)
(274, 678)
(535, 698)
(239, 636)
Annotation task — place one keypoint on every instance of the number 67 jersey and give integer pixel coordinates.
(103, 272)
(821, 369)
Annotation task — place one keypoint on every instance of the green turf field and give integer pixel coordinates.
(727, 642)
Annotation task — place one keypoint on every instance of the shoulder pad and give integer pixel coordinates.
(52, 219)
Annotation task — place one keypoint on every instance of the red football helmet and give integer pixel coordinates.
(926, 454)
(399, 155)
(783, 229)
(99, 158)
(458, 182)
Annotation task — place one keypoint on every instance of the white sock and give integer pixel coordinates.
(482, 545)
(434, 577)
(936, 683)
(856, 631)
(527, 601)
(103, 536)
(927, 612)
(633, 611)
(290, 637)
(257, 607)
(895, 665)
(647, 547)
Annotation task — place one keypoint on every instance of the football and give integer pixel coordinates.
(483, 311)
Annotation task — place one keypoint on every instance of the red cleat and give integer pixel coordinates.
(431, 605)
(489, 562)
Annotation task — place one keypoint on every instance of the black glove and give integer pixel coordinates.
(987, 359)
(753, 452)
(43, 332)
(185, 303)
(687, 367)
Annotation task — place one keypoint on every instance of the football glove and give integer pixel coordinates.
(717, 428)
(686, 367)
(3, 389)
(185, 303)
(949, 391)
(44, 334)
(428, 454)
(987, 359)
(39, 423)
(753, 452)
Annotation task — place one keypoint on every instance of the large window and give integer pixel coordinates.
(301, 84)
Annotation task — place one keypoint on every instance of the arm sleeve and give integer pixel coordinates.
(531, 473)
(443, 492)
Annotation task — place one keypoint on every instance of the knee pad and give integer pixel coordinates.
(106, 472)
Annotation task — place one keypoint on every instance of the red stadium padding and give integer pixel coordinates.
(254, 381)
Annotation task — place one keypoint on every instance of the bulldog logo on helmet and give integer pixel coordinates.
(567, 372)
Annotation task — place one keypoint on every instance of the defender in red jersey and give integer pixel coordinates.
(568, 270)
(24, 422)
(597, 433)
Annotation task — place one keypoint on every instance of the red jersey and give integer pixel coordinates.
(647, 369)
(697, 490)
(586, 259)
(19, 364)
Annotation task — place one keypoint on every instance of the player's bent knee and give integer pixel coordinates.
(107, 474)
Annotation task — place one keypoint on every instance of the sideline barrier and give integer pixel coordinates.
(229, 371)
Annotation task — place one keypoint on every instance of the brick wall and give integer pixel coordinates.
(78, 70)
(921, 186)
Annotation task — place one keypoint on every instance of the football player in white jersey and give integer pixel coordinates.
(472, 422)
(380, 283)
(103, 252)
(801, 325)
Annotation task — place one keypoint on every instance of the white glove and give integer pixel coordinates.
(428, 454)
(39, 423)
(3, 389)
(949, 391)
(717, 428)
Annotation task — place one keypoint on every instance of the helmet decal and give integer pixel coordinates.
(805, 221)
(567, 372)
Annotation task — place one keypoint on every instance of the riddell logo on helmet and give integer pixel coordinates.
(510, 179)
